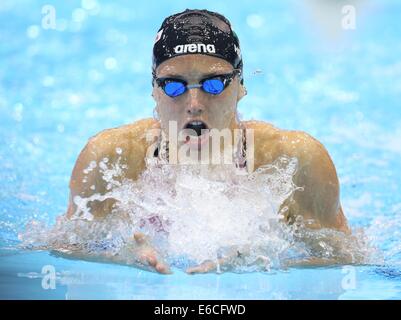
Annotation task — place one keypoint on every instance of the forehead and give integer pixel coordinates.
(193, 65)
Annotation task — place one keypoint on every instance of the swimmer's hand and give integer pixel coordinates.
(230, 261)
(204, 267)
(146, 255)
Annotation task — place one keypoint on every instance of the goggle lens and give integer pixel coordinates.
(213, 86)
(174, 88)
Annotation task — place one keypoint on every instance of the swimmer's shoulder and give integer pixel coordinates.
(263, 131)
(121, 150)
(130, 136)
(267, 141)
(272, 142)
(126, 145)
(316, 173)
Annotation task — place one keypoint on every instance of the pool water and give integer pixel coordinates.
(58, 87)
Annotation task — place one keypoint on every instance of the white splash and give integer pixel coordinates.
(193, 214)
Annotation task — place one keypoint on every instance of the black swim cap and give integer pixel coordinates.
(197, 31)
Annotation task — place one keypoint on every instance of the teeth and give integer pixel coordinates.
(196, 123)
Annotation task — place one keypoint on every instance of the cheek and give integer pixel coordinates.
(223, 106)
(168, 111)
(221, 115)
(166, 107)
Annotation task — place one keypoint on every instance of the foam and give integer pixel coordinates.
(196, 213)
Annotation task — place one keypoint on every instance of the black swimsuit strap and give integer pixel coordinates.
(156, 153)
(243, 155)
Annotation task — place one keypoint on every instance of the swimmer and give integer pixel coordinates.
(197, 84)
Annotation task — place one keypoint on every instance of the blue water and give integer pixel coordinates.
(59, 87)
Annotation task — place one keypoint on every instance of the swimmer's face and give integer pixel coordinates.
(216, 111)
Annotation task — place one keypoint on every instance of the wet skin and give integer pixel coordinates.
(318, 202)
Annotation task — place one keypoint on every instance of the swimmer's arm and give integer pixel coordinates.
(88, 177)
(86, 180)
(138, 252)
(319, 201)
(132, 144)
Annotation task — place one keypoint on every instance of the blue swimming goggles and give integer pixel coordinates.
(213, 85)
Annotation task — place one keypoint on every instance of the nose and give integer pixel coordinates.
(194, 106)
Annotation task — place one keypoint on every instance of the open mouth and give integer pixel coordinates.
(196, 132)
(197, 126)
